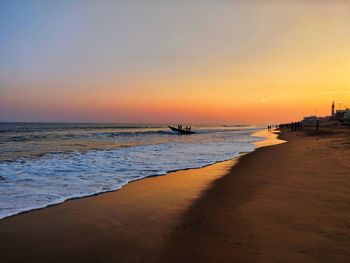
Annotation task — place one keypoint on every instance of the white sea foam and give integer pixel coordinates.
(28, 184)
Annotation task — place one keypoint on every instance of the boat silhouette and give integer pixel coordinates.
(182, 131)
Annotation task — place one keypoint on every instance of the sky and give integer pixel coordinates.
(227, 62)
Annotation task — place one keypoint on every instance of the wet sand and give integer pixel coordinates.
(122, 226)
(285, 203)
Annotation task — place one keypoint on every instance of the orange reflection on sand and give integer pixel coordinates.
(271, 138)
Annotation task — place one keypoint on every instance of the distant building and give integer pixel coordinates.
(346, 119)
(309, 120)
(340, 114)
(312, 120)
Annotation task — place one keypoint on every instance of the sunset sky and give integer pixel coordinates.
(173, 61)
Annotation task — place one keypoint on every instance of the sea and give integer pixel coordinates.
(43, 164)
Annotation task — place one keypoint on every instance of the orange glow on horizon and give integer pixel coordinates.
(276, 63)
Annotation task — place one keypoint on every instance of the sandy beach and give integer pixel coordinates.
(282, 203)
(286, 203)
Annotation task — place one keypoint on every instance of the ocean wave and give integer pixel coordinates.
(131, 133)
(29, 184)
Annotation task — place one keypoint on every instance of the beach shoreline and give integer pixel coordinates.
(196, 180)
(225, 211)
(115, 183)
(287, 203)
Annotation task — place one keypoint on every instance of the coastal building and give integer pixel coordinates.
(340, 115)
(309, 120)
(347, 118)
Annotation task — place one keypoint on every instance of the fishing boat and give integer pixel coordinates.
(182, 131)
